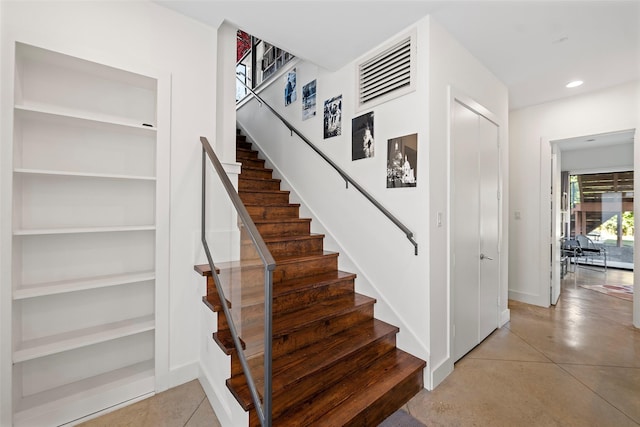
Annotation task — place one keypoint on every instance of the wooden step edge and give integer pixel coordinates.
(213, 302)
(255, 178)
(298, 237)
(273, 205)
(360, 391)
(204, 269)
(225, 342)
(287, 192)
(281, 221)
(357, 339)
(376, 407)
(294, 286)
(294, 259)
(302, 318)
(303, 284)
(290, 286)
(255, 169)
(246, 150)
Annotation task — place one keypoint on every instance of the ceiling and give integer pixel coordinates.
(593, 141)
(534, 47)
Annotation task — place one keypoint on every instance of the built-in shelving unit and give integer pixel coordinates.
(84, 236)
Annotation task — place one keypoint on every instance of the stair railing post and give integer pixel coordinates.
(262, 410)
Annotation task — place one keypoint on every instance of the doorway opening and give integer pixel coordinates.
(601, 209)
(592, 206)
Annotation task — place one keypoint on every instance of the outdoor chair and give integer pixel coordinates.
(591, 251)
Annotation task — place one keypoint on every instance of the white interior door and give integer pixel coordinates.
(489, 211)
(474, 228)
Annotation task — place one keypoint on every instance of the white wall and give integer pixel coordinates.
(369, 243)
(452, 68)
(617, 157)
(412, 291)
(132, 36)
(531, 129)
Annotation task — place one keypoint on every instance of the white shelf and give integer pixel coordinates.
(59, 287)
(49, 231)
(54, 112)
(51, 406)
(81, 174)
(46, 346)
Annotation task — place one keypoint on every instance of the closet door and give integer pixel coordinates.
(474, 228)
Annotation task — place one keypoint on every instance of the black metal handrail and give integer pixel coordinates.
(264, 410)
(348, 180)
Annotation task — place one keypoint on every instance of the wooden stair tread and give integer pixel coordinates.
(255, 178)
(274, 239)
(254, 295)
(297, 205)
(280, 220)
(355, 393)
(265, 191)
(295, 285)
(254, 168)
(204, 270)
(297, 320)
(312, 360)
(334, 364)
(245, 150)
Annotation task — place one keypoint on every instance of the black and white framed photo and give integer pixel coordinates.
(309, 100)
(333, 117)
(402, 160)
(362, 143)
(290, 94)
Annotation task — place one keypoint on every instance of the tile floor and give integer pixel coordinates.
(576, 364)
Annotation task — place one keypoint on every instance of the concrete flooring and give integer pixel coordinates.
(575, 364)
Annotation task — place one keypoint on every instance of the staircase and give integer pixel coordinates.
(333, 363)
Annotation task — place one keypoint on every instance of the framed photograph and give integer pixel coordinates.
(290, 88)
(333, 117)
(402, 161)
(362, 144)
(309, 100)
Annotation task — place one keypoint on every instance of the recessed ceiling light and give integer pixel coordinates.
(574, 83)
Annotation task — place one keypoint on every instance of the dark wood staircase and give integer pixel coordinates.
(334, 364)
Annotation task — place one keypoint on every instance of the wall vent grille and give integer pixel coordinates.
(386, 73)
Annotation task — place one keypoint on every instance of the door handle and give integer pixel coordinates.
(483, 256)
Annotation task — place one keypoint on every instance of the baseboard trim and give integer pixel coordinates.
(440, 372)
(183, 374)
(505, 316)
(219, 399)
(529, 298)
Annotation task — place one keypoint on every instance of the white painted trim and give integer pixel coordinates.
(232, 168)
(183, 374)
(527, 298)
(505, 317)
(109, 410)
(219, 397)
(440, 372)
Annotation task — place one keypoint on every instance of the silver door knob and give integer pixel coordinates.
(483, 256)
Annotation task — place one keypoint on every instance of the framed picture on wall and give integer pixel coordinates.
(290, 93)
(402, 160)
(309, 100)
(362, 142)
(333, 117)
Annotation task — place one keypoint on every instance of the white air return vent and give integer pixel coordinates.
(387, 74)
